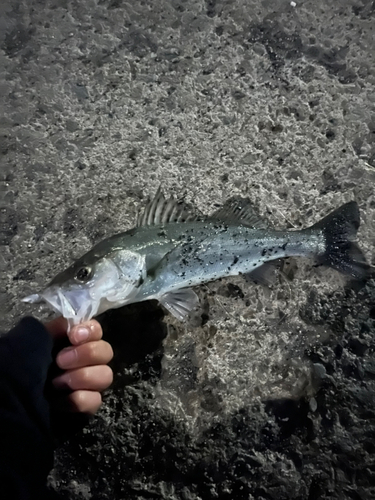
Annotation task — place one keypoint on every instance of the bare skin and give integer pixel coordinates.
(85, 364)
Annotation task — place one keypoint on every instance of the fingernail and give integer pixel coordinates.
(62, 382)
(81, 334)
(66, 357)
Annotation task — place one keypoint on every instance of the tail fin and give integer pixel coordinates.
(340, 229)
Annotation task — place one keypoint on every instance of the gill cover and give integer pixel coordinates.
(114, 282)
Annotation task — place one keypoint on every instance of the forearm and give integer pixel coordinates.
(26, 445)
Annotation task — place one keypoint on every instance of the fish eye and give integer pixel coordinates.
(83, 274)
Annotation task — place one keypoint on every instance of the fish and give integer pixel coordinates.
(171, 250)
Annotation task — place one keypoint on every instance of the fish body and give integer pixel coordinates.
(171, 251)
(205, 252)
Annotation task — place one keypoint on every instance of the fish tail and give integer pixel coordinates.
(340, 229)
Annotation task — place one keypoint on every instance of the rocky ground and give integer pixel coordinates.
(269, 393)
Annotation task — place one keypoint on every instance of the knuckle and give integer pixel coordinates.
(78, 398)
(108, 375)
(98, 400)
(109, 350)
(95, 406)
(84, 376)
(85, 401)
(97, 328)
(92, 350)
(98, 352)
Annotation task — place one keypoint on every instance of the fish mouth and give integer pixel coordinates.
(75, 305)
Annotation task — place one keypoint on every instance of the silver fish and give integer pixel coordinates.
(171, 251)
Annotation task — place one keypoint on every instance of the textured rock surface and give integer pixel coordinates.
(270, 394)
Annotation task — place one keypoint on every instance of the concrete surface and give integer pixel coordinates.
(271, 393)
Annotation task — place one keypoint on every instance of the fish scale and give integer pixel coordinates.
(228, 251)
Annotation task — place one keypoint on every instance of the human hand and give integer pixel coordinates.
(86, 372)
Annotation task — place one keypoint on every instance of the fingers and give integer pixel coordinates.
(80, 402)
(84, 362)
(93, 353)
(85, 332)
(85, 401)
(91, 378)
(86, 384)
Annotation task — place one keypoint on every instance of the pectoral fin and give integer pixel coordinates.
(180, 303)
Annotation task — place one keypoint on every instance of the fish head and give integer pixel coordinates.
(94, 284)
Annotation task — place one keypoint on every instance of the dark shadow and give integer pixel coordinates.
(136, 333)
(292, 416)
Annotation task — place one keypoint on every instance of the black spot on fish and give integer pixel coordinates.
(132, 231)
(235, 260)
(264, 251)
(140, 281)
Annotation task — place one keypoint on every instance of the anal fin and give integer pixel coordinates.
(266, 274)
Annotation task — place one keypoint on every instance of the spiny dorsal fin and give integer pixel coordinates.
(240, 211)
(161, 211)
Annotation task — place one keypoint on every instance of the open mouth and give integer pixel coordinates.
(74, 305)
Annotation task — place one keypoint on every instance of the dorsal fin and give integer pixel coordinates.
(161, 211)
(240, 211)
